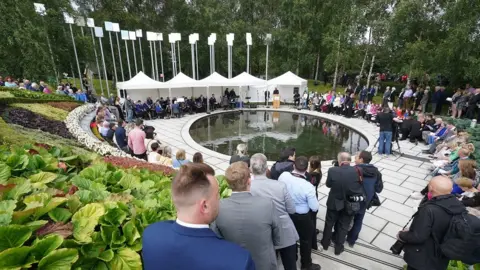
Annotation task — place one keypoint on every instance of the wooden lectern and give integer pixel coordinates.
(276, 101)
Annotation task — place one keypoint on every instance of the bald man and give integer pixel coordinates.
(430, 222)
(345, 184)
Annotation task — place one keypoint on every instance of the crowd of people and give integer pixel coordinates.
(287, 221)
(412, 99)
(177, 107)
(272, 212)
(62, 89)
(268, 212)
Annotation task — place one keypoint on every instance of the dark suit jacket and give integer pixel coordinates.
(167, 245)
(343, 182)
(253, 223)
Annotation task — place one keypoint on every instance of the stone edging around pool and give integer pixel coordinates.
(330, 117)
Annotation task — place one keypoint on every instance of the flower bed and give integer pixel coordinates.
(32, 120)
(123, 162)
(43, 109)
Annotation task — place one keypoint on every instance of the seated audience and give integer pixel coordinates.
(150, 137)
(110, 133)
(467, 187)
(121, 136)
(153, 155)
(197, 158)
(189, 242)
(180, 159)
(105, 126)
(444, 134)
(241, 155)
(429, 224)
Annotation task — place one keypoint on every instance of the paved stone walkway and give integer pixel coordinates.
(401, 175)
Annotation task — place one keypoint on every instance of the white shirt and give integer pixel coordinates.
(153, 157)
(193, 226)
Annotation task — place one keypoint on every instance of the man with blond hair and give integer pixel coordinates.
(250, 221)
(189, 243)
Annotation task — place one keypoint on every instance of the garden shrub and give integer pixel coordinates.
(60, 210)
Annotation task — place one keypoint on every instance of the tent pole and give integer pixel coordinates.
(171, 101)
(208, 101)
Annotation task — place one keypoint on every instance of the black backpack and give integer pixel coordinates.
(462, 239)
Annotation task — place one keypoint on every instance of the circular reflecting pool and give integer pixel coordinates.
(269, 132)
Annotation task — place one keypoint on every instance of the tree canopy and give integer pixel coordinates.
(438, 37)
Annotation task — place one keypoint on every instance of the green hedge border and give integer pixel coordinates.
(37, 97)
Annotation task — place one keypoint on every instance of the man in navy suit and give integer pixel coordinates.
(189, 243)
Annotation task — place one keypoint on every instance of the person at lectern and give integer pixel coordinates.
(276, 92)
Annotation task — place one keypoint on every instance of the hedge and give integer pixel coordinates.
(464, 124)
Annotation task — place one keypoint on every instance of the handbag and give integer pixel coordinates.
(353, 207)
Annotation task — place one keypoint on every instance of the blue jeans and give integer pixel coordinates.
(129, 116)
(385, 142)
(352, 235)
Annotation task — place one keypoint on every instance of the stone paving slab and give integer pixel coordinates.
(402, 174)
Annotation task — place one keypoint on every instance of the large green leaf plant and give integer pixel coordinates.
(63, 211)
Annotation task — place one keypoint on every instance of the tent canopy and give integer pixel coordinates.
(140, 81)
(288, 78)
(216, 79)
(182, 81)
(246, 79)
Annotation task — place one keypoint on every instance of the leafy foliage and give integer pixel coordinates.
(53, 218)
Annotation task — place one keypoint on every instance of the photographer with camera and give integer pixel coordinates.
(346, 193)
(429, 226)
(386, 121)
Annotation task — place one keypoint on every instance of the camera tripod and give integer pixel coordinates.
(398, 151)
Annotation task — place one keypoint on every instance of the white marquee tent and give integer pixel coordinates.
(285, 83)
(255, 86)
(140, 86)
(215, 83)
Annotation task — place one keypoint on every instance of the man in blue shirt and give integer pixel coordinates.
(303, 195)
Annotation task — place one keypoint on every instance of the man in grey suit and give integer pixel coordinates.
(247, 220)
(277, 191)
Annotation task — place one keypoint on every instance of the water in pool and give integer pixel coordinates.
(269, 132)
